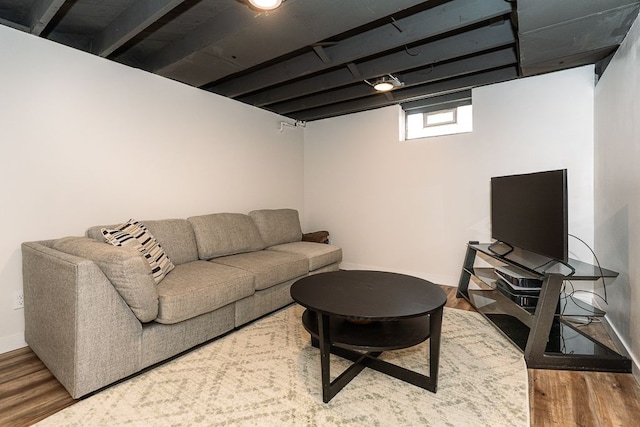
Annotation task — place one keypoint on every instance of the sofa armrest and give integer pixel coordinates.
(75, 320)
(316, 236)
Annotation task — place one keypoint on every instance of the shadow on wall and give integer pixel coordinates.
(8, 269)
(11, 320)
(613, 250)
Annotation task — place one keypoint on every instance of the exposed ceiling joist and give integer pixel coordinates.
(309, 59)
(444, 18)
(353, 69)
(470, 65)
(379, 100)
(129, 24)
(478, 40)
(208, 33)
(233, 21)
(572, 33)
(322, 54)
(42, 12)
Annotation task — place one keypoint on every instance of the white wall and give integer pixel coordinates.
(410, 207)
(617, 187)
(68, 120)
(86, 141)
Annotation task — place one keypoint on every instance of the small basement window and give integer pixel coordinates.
(446, 117)
(437, 123)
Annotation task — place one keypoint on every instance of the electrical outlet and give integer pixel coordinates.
(18, 300)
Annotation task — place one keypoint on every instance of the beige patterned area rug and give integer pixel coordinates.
(268, 374)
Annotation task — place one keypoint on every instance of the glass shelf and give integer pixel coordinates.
(533, 319)
(531, 263)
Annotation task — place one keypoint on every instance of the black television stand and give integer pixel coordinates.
(541, 331)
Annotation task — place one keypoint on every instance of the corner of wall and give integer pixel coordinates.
(12, 342)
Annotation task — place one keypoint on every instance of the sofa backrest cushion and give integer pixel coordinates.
(225, 234)
(277, 226)
(125, 267)
(174, 235)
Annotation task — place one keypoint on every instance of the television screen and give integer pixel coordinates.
(529, 211)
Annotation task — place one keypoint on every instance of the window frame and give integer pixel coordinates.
(439, 129)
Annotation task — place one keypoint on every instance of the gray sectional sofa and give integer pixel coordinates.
(94, 313)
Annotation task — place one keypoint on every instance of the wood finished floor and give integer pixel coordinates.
(29, 393)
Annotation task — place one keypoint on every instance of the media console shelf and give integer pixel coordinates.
(547, 340)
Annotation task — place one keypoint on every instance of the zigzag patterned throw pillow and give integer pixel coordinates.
(133, 233)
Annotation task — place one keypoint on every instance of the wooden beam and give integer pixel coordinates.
(235, 18)
(472, 42)
(214, 29)
(447, 17)
(322, 54)
(353, 69)
(42, 13)
(421, 76)
(130, 23)
(376, 101)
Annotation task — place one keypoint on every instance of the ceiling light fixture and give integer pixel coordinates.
(385, 83)
(265, 4)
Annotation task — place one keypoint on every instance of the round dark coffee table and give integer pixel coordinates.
(359, 314)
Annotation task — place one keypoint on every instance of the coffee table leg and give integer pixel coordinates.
(325, 353)
(329, 388)
(435, 327)
(370, 359)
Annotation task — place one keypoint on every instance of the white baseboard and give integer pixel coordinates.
(613, 333)
(12, 342)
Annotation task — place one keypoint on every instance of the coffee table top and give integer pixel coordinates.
(368, 295)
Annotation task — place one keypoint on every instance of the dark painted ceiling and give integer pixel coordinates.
(311, 59)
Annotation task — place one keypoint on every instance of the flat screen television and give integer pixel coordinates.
(529, 211)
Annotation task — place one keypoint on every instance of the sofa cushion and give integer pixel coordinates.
(125, 267)
(318, 254)
(199, 287)
(174, 235)
(135, 234)
(277, 226)
(269, 267)
(225, 234)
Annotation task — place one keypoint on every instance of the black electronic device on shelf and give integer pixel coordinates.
(518, 278)
(524, 297)
(519, 286)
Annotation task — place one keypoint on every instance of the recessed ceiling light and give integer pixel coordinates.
(265, 4)
(383, 86)
(385, 83)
